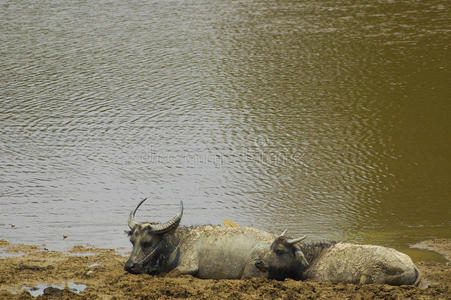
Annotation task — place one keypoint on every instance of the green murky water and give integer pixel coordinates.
(329, 118)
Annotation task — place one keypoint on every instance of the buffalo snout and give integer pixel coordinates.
(130, 267)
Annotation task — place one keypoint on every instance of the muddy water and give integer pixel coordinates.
(39, 288)
(329, 118)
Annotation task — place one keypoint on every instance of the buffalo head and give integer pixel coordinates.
(284, 259)
(146, 239)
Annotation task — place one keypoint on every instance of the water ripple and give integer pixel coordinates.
(301, 115)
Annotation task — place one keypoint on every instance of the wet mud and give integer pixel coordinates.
(91, 273)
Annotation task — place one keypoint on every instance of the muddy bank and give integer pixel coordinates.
(90, 273)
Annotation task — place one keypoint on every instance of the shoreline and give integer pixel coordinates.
(93, 273)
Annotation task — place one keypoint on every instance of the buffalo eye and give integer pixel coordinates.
(146, 244)
(279, 252)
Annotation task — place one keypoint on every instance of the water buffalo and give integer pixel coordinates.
(337, 262)
(214, 252)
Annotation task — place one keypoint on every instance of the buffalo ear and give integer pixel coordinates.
(301, 258)
(259, 264)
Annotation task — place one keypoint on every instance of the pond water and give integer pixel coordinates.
(38, 289)
(328, 118)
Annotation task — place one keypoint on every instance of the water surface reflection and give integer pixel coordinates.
(329, 119)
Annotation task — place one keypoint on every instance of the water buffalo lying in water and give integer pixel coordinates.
(214, 252)
(337, 262)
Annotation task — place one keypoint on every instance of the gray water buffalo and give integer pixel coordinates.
(337, 262)
(214, 252)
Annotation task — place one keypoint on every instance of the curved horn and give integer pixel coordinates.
(294, 241)
(131, 222)
(169, 225)
(283, 233)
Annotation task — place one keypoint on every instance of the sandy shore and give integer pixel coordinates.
(91, 273)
